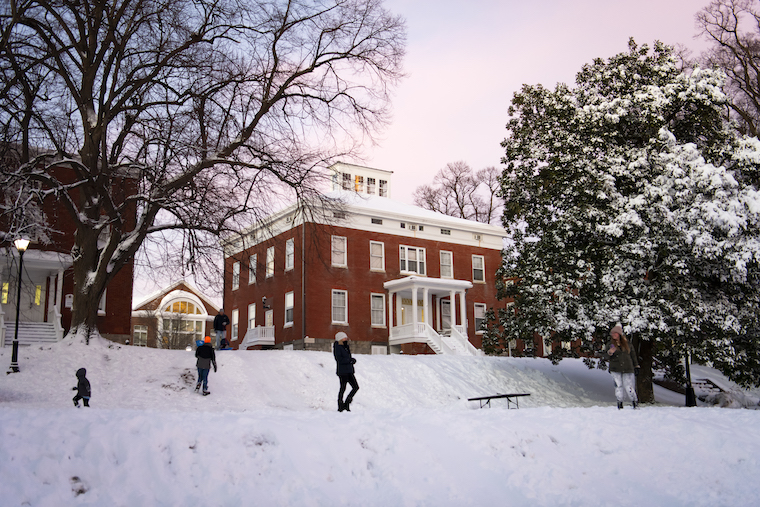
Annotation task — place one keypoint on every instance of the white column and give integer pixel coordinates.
(414, 310)
(463, 309)
(390, 312)
(426, 307)
(399, 321)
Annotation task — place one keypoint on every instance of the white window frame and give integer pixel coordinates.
(333, 308)
(335, 248)
(102, 303)
(380, 258)
(289, 305)
(270, 262)
(290, 254)
(420, 260)
(371, 186)
(479, 308)
(252, 316)
(482, 268)
(236, 275)
(234, 322)
(377, 315)
(252, 260)
(450, 264)
(142, 331)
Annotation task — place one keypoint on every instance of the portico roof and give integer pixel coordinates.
(434, 285)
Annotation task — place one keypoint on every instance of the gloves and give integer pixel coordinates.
(636, 371)
(353, 361)
(73, 388)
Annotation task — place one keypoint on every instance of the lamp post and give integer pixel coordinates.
(21, 245)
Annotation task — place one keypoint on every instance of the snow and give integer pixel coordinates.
(269, 434)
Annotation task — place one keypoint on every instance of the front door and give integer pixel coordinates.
(32, 307)
(445, 315)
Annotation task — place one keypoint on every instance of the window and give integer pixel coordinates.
(140, 336)
(289, 254)
(288, 309)
(234, 321)
(383, 188)
(37, 295)
(235, 275)
(412, 260)
(339, 307)
(252, 269)
(269, 318)
(359, 183)
(252, 316)
(376, 256)
(5, 293)
(480, 317)
(447, 264)
(478, 268)
(270, 261)
(377, 221)
(377, 303)
(339, 251)
(102, 303)
(446, 232)
(370, 185)
(346, 181)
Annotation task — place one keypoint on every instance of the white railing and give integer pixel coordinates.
(2, 328)
(57, 324)
(260, 335)
(455, 342)
(459, 334)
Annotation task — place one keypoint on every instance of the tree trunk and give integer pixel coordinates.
(88, 287)
(644, 386)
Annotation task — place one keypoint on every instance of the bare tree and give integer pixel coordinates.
(457, 191)
(145, 116)
(733, 27)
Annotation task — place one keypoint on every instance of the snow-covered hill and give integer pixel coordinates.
(269, 434)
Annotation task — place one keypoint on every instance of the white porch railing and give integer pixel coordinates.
(2, 328)
(57, 324)
(423, 333)
(463, 346)
(260, 335)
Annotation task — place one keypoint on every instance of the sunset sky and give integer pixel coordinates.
(466, 59)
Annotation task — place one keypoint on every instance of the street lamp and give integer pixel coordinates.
(21, 245)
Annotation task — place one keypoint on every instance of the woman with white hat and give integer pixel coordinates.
(345, 370)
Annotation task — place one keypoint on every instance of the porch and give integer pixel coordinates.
(411, 301)
(260, 335)
(39, 312)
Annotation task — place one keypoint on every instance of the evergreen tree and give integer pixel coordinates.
(631, 201)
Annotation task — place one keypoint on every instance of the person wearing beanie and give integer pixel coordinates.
(344, 370)
(624, 366)
(205, 358)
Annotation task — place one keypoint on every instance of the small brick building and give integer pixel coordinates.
(173, 318)
(393, 277)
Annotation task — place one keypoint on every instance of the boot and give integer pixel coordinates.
(341, 406)
(635, 405)
(620, 405)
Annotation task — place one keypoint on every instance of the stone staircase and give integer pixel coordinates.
(30, 333)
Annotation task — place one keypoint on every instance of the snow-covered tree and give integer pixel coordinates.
(631, 201)
(141, 117)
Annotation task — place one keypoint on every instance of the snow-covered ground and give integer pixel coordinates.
(270, 435)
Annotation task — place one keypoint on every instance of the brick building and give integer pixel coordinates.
(173, 318)
(394, 277)
(47, 280)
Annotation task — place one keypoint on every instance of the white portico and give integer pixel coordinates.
(411, 301)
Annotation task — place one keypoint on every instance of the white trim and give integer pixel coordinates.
(332, 307)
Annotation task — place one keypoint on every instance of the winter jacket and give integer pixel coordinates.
(622, 361)
(345, 363)
(83, 386)
(220, 322)
(206, 357)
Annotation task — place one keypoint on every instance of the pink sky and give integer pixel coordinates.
(466, 59)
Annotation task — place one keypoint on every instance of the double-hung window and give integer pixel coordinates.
(270, 261)
(339, 306)
(290, 253)
(377, 304)
(478, 268)
(376, 256)
(252, 269)
(288, 309)
(447, 264)
(480, 317)
(412, 259)
(235, 319)
(338, 251)
(235, 275)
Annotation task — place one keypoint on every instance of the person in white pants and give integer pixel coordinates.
(624, 366)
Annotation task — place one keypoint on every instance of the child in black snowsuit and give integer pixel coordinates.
(82, 388)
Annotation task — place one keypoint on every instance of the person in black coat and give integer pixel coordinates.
(221, 321)
(82, 388)
(344, 370)
(206, 357)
